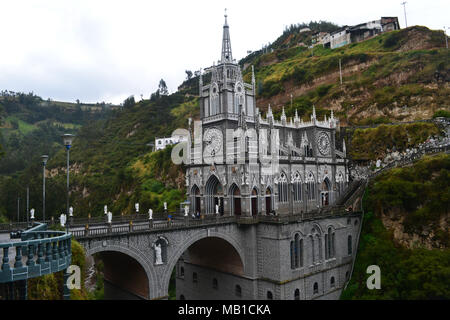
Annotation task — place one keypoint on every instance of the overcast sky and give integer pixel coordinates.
(108, 50)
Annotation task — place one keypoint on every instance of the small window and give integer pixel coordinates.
(269, 295)
(346, 275)
(316, 288)
(181, 272)
(194, 277)
(349, 244)
(332, 283)
(238, 291)
(356, 222)
(182, 297)
(215, 284)
(297, 294)
(349, 221)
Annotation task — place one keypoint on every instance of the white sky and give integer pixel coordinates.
(107, 50)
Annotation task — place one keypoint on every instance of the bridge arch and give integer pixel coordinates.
(138, 256)
(200, 235)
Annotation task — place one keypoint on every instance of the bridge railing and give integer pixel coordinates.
(41, 252)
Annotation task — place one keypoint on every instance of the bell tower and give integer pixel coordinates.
(226, 94)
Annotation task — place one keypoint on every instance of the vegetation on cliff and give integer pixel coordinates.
(421, 194)
(371, 143)
(50, 286)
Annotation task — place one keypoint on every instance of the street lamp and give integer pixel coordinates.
(44, 162)
(67, 138)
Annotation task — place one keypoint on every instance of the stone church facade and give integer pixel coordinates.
(311, 172)
(293, 260)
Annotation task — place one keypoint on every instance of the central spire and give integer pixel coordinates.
(226, 43)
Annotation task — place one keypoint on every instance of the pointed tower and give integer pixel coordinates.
(296, 119)
(226, 42)
(283, 117)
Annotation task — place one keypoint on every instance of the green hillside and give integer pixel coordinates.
(416, 266)
(31, 126)
(400, 75)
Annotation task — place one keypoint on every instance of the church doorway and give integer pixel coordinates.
(268, 201)
(213, 195)
(235, 200)
(325, 193)
(254, 202)
(195, 193)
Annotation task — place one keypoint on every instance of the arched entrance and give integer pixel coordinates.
(211, 266)
(325, 192)
(124, 278)
(213, 196)
(235, 195)
(254, 202)
(268, 200)
(195, 194)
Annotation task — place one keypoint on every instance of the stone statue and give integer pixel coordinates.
(32, 214)
(109, 217)
(105, 208)
(217, 209)
(186, 210)
(136, 205)
(62, 220)
(158, 255)
(150, 214)
(165, 206)
(71, 211)
(187, 180)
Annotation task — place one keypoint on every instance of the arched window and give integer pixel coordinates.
(238, 291)
(316, 288)
(313, 258)
(269, 295)
(297, 188)
(297, 250)
(311, 187)
(194, 277)
(215, 284)
(332, 283)
(329, 244)
(349, 245)
(182, 272)
(292, 251)
(282, 188)
(297, 294)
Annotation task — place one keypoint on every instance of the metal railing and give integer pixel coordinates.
(38, 252)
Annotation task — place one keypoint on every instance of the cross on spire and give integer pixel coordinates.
(226, 43)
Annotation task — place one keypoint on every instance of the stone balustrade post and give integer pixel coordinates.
(5, 265)
(18, 262)
(30, 258)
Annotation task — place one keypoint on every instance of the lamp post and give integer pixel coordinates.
(404, 9)
(67, 139)
(44, 163)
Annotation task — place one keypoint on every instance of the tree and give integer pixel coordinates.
(162, 88)
(129, 102)
(188, 74)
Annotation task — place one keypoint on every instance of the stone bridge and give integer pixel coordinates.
(228, 257)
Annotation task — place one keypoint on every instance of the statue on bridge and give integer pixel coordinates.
(136, 205)
(150, 214)
(186, 210)
(109, 217)
(32, 214)
(71, 211)
(105, 208)
(158, 255)
(62, 220)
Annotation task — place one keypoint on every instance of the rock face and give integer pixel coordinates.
(393, 221)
